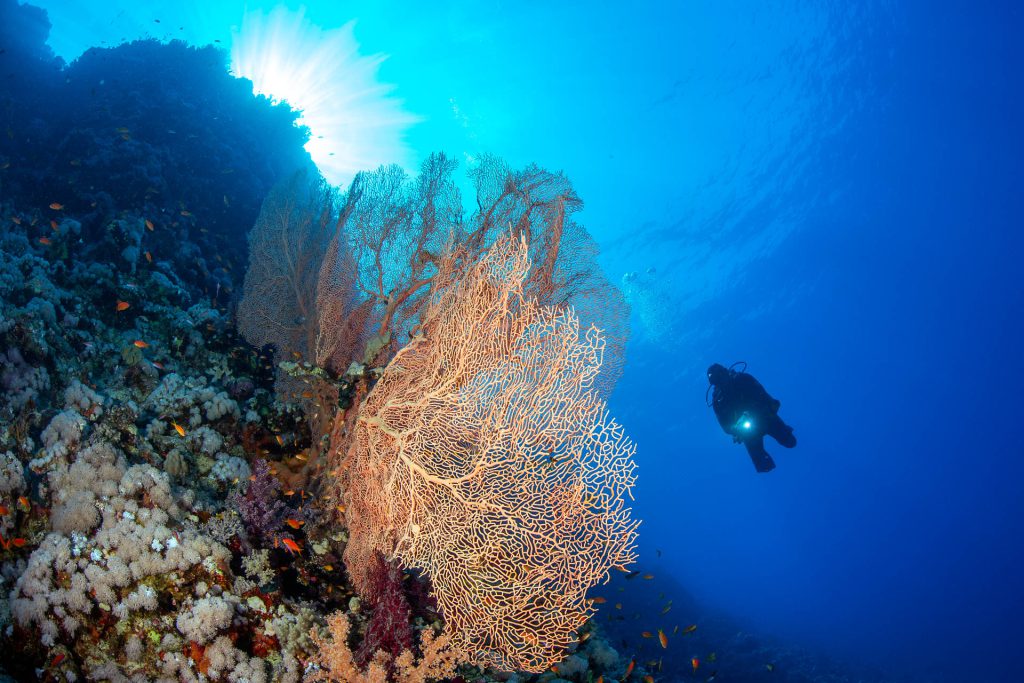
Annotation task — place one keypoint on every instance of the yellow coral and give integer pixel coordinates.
(335, 662)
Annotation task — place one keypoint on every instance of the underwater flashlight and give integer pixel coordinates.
(745, 423)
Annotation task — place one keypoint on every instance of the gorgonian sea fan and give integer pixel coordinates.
(485, 457)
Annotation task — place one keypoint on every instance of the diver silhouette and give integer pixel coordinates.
(748, 413)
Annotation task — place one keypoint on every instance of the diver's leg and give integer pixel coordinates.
(781, 432)
(758, 455)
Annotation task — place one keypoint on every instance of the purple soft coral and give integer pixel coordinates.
(260, 508)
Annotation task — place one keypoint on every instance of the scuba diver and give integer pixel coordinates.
(748, 413)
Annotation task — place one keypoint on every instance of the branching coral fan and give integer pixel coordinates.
(484, 457)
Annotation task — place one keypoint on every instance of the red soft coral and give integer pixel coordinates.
(389, 628)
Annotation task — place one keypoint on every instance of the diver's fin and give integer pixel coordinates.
(759, 456)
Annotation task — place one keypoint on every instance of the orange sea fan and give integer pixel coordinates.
(485, 457)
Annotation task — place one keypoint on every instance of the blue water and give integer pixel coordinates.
(830, 193)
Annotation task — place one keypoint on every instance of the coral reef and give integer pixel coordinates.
(177, 504)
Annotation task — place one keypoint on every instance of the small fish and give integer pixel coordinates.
(294, 523)
(18, 542)
(695, 663)
(57, 206)
(16, 220)
(24, 504)
(586, 636)
(122, 306)
(149, 225)
(280, 441)
(57, 659)
(3, 510)
(648, 678)
(618, 605)
(293, 547)
(713, 676)
(140, 344)
(663, 639)
(185, 213)
(157, 364)
(600, 679)
(341, 508)
(178, 428)
(646, 634)
(149, 257)
(665, 609)
(689, 629)
(769, 667)
(302, 457)
(648, 576)
(45, 241)
(54, 226)
(629, 669)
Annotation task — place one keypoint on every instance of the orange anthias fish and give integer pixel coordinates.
(690, 629)
(648, 678)
(158, 366)
(293, 547)
(663, 639)
(629, 669)
(178, 428)
(647, 634)
(140, 344)
(45, 241)
(149, 225)
(294, 523)
(122, 305)
(56, 206)
(149, 257)
(695, 663)
(24, 504)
